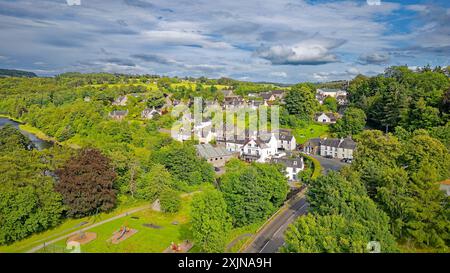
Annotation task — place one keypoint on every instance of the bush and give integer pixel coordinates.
(170, 201)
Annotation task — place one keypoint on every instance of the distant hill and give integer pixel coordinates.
(16, 73)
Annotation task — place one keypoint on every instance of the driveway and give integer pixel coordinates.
(329, 163)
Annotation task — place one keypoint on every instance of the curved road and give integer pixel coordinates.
(271, 237)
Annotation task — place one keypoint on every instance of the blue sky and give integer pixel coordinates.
(282, 41)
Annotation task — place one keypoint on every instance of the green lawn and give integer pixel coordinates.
(146, 239)
(68, 226)
(311, 130)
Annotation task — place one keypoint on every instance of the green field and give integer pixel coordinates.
(311, 130)
(68, 226)
(173, 228)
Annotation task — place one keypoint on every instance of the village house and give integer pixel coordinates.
(150, 113)
(331, 147)
(254, 104)
(267, 97)
(118, 114)
(259, 150)
(342, 99)
(233, 102)
(325, 118)
(337, 148)
(278, 94)
(292, 166)
(227, 93)
(120, 101)
(338, 94)
(312, 146)
(286, 140)
(215, 155)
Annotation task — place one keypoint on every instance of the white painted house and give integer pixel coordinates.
(150, 113)
(256, 149)
(286, 140)
(337, 148)
(121, 101)
(293, 166)
(325, 118)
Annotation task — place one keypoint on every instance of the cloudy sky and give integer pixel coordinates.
(280, 40)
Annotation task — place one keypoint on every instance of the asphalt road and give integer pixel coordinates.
(329, 163)
(271, 237)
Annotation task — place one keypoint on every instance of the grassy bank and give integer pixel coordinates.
(312, 130)
(38, 133)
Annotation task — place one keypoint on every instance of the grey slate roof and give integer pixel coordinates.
(209, 151)
(313, 142)
(289, 162)
(119, 113)
(346, 143)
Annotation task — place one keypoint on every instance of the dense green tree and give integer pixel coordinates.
(402, 177)
(326, 234)
(301, 102)
(351, 123)
(150, 185)
(330, 104)
(28, 202)
(86, 183)
(210, 221)
(411, 99)
(358, 221)
(182, 162)
(12, 139)
(170, 201)
(252, 192)
(156, 100)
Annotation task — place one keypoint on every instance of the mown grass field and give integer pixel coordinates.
(311, 130)
(68, 226)
(173, 228)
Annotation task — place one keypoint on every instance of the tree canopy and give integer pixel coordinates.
(86, 184)
(210, 220)
(252, 192)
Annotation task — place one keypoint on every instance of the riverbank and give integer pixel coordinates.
(38, 133)
(11, 118)
(32, 130)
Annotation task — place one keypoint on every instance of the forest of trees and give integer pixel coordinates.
(390, 194)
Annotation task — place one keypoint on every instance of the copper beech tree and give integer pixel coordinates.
(86, 183)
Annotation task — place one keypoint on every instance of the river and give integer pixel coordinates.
(38, 143)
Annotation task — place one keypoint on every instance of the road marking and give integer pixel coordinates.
(264, 246)
(283, 225)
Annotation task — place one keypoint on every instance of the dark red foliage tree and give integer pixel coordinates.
(86, 183)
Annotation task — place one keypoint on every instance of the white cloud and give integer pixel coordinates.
(173, 37)
(333, 75)
(73, 2)
(308, 52)
(280, 74)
